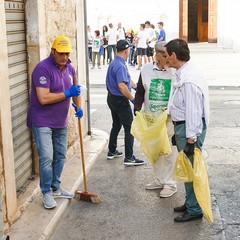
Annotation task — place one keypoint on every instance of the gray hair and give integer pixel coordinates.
(159, 47)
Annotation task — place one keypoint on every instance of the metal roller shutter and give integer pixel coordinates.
(18, 83)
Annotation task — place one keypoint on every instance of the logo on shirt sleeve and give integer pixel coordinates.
(42, 80)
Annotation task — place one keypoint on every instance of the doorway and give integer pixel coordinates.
(197, 20)
(194, 20)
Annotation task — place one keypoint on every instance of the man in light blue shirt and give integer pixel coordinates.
(189, 109)
(118, 82)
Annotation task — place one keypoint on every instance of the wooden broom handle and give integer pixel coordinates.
(78, 103)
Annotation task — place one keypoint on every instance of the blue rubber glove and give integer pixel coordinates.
(132, 101)
(78, 112)
(73, 91)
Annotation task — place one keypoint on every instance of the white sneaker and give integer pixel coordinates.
(167, 192)
(48, 201)
(154, 185)
(61, 193)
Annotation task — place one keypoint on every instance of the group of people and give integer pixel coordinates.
(141, 43)
(171, 81)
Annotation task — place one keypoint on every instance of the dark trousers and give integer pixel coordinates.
(90, 54)
(111, 52)
(121, 116)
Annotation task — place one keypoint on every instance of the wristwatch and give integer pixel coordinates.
(194, 138)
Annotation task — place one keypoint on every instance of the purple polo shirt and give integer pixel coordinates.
(48, 75)
(117, 72)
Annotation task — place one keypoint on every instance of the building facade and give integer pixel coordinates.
(213, 21)
(29, 28)
(210, 21)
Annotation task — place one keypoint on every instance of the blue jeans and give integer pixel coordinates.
(129, 60)
(180, 136)
(51, 147)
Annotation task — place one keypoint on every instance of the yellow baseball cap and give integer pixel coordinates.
(62, 44)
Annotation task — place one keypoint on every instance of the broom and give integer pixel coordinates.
(84, 195)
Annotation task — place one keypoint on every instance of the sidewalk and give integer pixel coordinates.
(36, 222)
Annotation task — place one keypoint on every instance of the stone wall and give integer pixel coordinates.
(57, 17)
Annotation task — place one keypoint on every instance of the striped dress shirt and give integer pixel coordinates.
(189, 99)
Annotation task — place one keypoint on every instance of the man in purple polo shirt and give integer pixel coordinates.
(51, 89)
(119, 84)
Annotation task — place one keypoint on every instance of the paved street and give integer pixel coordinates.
(128, 211)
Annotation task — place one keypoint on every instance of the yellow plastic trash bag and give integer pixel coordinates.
(151, 132)
(183, 171)
(201, 185)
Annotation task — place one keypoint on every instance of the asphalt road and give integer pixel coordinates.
(128, 211)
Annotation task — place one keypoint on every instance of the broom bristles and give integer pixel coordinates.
(87, 197)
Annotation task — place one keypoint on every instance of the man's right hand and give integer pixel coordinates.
(73, 91)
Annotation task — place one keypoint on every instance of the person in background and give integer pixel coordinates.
(52, 89)
(150, 41)
(119, 84)
(162, 33)
(142, 45)
(189, 109)
(134, 55)
(152, 95)
(112, 37)
(129, 39)
(156, 33)
(97, 42)
(90, 39)
(105, 44)
(121, 31)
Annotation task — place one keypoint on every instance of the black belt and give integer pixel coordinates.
(176, 123)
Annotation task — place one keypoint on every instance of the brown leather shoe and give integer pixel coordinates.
(187, 217)
(182, 208)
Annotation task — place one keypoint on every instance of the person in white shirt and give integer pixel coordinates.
(112, 37)
(121, 32)
(151, 41)
(142, 45)
(152, 95)
(189, 109)
(96, 44)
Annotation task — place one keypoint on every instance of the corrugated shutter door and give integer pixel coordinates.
(17, 57)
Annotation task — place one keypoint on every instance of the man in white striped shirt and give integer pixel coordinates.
(189, 109)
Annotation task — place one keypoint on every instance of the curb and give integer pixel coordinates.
(66, 202)
(38, 223)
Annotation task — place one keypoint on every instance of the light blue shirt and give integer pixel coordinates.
(117, 72)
